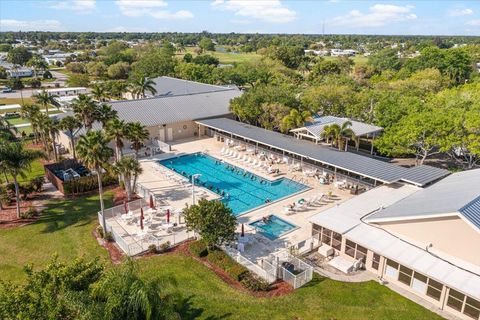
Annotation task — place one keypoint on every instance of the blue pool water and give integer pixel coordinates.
(273, 228)
(242, 191)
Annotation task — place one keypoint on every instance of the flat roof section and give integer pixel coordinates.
(364, 166)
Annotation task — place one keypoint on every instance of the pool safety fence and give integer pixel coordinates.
(134, 244)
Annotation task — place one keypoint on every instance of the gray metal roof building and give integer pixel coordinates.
(458, 194)
(359, 128)
(357, 164)
(168, 87)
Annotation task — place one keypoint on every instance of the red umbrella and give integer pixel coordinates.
(168, 215)
(125, 206)
(152, 206)
(141, 218)
(243, 231)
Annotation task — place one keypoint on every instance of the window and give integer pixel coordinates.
(361, 253)
(419, 283)
(376, 261)
(336, 240)
(405, 275)
(472, 308)
(326, 236)
(350, 248)
(455, 300)
(434, 289)
(392, 269)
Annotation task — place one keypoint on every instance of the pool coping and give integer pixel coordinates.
(295, 227)
(307, 187)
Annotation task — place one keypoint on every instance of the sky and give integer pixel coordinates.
(422, 17)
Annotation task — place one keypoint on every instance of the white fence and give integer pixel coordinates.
(131, 244)
(291, 269)
(267, 271)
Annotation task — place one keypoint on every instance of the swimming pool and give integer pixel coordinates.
(241, 190)
(273, 228)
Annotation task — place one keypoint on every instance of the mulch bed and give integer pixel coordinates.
(115, 253)
(8, 215)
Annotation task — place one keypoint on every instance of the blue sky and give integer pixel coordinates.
(271, 16)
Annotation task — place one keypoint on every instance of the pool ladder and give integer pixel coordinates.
(299, 179)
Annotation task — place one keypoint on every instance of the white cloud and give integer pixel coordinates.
(461, 12)
(141, 8)
(240, 21)
(473, 23)
(77, 5)
(33, 25)
(265, 10)
(127, 29)
(379, 15)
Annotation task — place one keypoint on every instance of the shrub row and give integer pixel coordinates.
(235, 270)
(89, 183)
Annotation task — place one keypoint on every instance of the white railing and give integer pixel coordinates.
(285, 261)
(267, 272)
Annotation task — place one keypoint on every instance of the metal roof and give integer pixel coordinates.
(171, 109)
(458, 194)
(423, 175)
(359, 128)
(346, 218)
(351, 162)
(167, 87)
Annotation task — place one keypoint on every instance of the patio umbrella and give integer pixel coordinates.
(125, 206)
(168, 215)
(152, 206)
(141, 218)
(243, 231)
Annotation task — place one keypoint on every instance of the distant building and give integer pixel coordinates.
(340, 52)
(20, 73)
(62, 92)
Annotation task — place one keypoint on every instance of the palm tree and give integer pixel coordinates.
(31, 112)
(137, 134)
(104, 113)
(17, 160)
(123, 294)
(295, 119)
(127, 168)
(44, 98)
(141, 85)
(85, 110)
(329, 132)
(43, 128)
(71, 125)
(117, 130)
(52, 128)
(340, 133)
(99, 93)
(93, 150)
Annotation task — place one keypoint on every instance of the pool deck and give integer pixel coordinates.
(259, 247)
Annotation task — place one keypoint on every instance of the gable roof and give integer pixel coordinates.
(359, 128)
(458, 194)
(354, 163)
(168, 86)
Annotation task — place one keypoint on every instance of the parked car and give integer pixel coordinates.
(7, 90)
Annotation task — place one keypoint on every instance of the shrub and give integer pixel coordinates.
(223, 261)
(152, 248)
(30, 213)
(100, 231)
(164, 247)
(37, 183)
(198, 248)
(254, 283)
(108, 236)
(47, 74)
(88, 183)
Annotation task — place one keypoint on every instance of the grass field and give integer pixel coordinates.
(66, 229)
(15, 101)
(228, 58)
(36, 171)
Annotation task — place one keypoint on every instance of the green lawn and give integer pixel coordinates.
(226, 57)
(66, 229)
(4, 101)
(20, 120)
(37, 171)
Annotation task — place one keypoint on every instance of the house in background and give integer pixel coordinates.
(425, 241)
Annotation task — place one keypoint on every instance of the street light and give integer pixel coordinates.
(194, 176)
